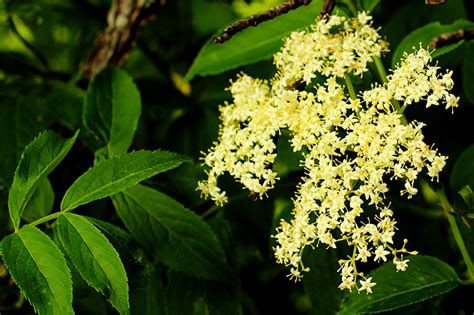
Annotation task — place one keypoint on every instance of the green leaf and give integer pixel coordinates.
(41, 203)
(463, 170)
(466, 194)
(40, 157)
(424, 278)
(112, 109)
(175, 235)
(40, 270)
(21, 119)
(138, 266)
(322, 263)
(468, 73)
(95, 258)
(369, 5)
(114, 175)
(253, 44)
(209, 15)
(425, 35)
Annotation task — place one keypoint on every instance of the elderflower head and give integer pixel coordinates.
(331, 47)
(246, 147)
(353, 146)
(415, 80)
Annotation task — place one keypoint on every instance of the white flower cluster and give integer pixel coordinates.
(246, 149)
(353, 145)
(415, 80)
(331, 47)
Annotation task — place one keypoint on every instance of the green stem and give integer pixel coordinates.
(383, 77)
(380, 69)
(46, 218)
(210, 211)
(401, 110)
(467, 282)
(349, 86)
(462, 247)
(448, 209)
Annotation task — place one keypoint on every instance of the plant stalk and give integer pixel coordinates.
(448, 210)
(467, 282)
(46, 218)
(349, 86)
(383, 77)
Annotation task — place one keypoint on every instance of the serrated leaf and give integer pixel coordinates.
(424, 278)
(21, 119)
(41, 203)
(139, 268)
(39, 269)
(112, 109)
(425, 35)
(463, 170)
(40, 157)
(114, 175)
(95, 259)
(175, 235)
(252, 44)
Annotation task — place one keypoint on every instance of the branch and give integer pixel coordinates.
(328, 7)
(452, 37)
(254, 20)
(112, 46)
(435, 2)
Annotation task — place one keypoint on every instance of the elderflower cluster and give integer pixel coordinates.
(246, 149)
(415, 80)
(353, 145)
(332, 47)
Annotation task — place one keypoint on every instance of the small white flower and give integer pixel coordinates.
(380, 253)
(367, 285)
(347, 283)
(363, 253)
(401, 265)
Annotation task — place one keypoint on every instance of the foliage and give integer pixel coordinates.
(98, 204)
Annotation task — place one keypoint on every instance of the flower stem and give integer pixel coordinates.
(46, 218)
(380, 69)
(349, 86)
(467, 282)
(448, 210)
(383, 77)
